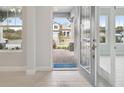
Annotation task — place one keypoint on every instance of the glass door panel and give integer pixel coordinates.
(104, 43)
(87, 43)
(85, 39)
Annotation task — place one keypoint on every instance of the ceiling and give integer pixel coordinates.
(62, 9)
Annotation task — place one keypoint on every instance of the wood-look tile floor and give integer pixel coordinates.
(43, 79)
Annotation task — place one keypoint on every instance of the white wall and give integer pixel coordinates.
(12, 58)
(30, 45)
(43, 36)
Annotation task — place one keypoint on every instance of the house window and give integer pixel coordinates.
(10, 28)
(119, 29)
(56, 27)
(64, 33)
(67, 34)
(103, 20)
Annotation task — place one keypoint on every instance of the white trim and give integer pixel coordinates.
(12, 68)
(10, 25)
(23, 68)
(30, 72)
(13, 51)
(43, 68)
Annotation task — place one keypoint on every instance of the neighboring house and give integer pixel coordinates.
(61, 29)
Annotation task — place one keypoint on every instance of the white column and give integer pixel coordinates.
(29, 30)
(44, 37)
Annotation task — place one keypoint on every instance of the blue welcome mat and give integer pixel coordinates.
(65, 65)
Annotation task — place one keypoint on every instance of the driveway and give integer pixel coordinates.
(63, 56)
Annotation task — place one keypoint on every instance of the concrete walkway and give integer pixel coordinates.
(63, 56)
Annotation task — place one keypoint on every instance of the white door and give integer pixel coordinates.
(105, 31)
(87, 43)
(118, 46)
(111, 45)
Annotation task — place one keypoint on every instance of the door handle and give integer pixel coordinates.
(93, 47)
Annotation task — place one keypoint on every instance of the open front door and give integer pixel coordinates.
(88, 43)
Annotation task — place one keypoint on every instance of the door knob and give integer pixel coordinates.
(93, 47)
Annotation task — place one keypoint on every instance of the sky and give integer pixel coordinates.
(119, 21)
(12, 21)
(63, 21)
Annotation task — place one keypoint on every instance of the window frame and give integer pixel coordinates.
(15, 25)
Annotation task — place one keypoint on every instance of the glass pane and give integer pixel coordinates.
(18, 16)
(104, 49)
(3, 16)
(11, 16)
(85, 39)
(119, 26)
(103, 28)
(11, 38)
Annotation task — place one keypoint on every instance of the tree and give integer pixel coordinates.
(61, 36)
(119, 29)
(6, 13)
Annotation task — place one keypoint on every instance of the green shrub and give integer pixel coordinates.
(1, 46)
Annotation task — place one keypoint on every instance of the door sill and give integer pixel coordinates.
(65, 69)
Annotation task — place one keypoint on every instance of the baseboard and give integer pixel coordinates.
(30, 72)
(12, 68)
(22, 68)
(40, 68)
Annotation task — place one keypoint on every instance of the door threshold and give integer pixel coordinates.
(65, 69)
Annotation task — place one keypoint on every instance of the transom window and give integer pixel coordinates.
(10, 28)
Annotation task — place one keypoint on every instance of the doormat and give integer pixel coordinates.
(65, 65)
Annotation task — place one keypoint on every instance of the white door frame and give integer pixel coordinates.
(75, 59)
